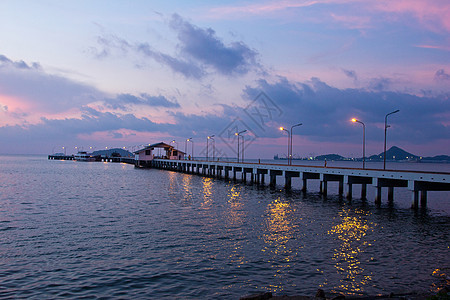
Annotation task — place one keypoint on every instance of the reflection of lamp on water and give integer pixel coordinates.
(364, 139)
(239, 134)
(350, 236)
(207, 142)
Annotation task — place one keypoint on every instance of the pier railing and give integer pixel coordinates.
(415, 181)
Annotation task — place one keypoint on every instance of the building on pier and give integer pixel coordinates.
(145, 156)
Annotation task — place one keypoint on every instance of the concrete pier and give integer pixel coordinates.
(419, 183)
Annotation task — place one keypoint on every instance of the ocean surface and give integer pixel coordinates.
(107, 230)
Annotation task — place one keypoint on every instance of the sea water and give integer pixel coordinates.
(107, 230)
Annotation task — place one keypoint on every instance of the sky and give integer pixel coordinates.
(95, 74)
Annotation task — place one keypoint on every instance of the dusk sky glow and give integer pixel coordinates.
(126, 73)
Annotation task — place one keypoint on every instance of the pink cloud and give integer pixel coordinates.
(353, 22)
(446, 48)
(261, 8)
(433, 14)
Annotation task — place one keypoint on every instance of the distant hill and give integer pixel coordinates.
(330, 157)
(395, 153)
(437, 158)
(113, 152)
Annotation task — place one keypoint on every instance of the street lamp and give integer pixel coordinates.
(238, 134)
(289, 145)
(185, 146)
(292, 132)
(176, 144)
(386, 126)
(364, 140)
(192, 148)
(207, 140)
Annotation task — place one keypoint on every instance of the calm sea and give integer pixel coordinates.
(105, 230)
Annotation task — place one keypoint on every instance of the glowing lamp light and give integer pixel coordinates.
(281, 128)
(354, 120)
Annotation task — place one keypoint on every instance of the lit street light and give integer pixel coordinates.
(364, 140)
(289, 145)
(185, 146)
(292, 132)
(192, 148)
(238, 134)
(176, 144)
(386, 126)
(207, 140)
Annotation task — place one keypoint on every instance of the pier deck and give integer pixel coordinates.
(415, 181)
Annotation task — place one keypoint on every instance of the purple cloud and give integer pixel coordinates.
(325, 111)
(42, 91)
(204, 46)
(441, 75)
(122, 101)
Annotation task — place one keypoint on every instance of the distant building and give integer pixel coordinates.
(144, 157)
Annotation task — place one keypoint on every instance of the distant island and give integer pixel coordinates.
(113, 152)
(393, 154)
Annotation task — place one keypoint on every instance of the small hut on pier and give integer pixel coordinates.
(144, 157)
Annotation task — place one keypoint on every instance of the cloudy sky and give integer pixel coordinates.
(126, 73)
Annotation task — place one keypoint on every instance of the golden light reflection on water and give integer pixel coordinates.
(444, 275)
(236, 216)
(281, 230)
(207, 192)
(351, 232)
(180, 191)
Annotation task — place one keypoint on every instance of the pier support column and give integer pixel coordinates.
(261, 172)
(349, 195)
(423, 198)
(244, 176)
(324, 188)
(273, 180)
(304, 185)
(288, 178)
(273, 177)
(415, 199)
(341, 188)
(378, 195)
(287, 182)
(391, 194)
(363, 191)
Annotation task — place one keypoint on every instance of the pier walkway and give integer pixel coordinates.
(417, 182)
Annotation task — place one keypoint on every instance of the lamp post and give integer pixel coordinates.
(292, 132)
(386, 126)
(289, 145)
(176, 144)
(207, 142)
(364, 140)
(185, 146)
(238, 134)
